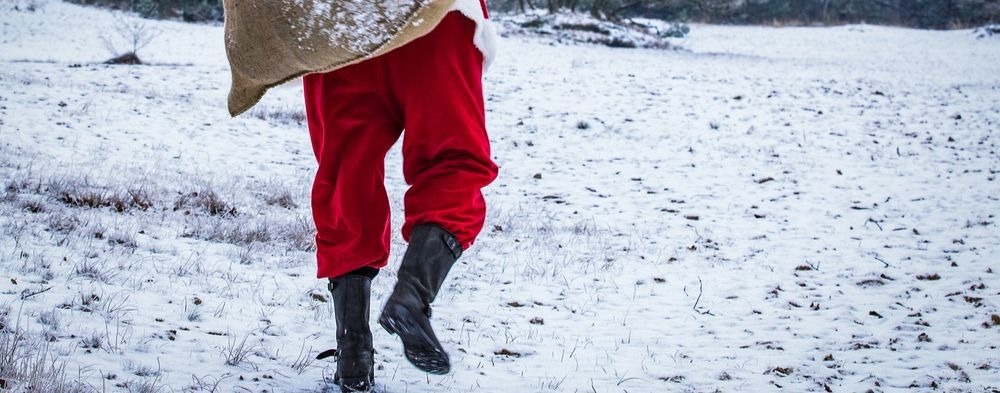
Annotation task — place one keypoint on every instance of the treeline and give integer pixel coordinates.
(935, 14)
(186, 10)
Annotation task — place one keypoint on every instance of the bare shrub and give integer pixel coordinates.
(297, 233)
(4, 317)
(206, 383)
(145, 385)
(10, 193)
(85, 303)
(114, 305)
(50, 319)
(79, 192)
(584, 228)
(138, 198)
(92, 341)
(15, 228)
(282, 198)
(98, 231)
(123, 239)
(247, 255)
(242, 232)
(76, 192)
(287, 115)
(36, 263)
(61, 222)
(33, 206)
(191, 266)
(132, 35)
(28, 364)
(117, 335)
(95, 271)
(194, 314)
(142, 370)
(206, 200)
(301, 234)
(303, 360)
(88, 198)
(237, 350)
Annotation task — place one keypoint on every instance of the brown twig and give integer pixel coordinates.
(27, 293)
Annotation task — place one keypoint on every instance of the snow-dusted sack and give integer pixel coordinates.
(272, 42)
(269, 43)
(803, 208)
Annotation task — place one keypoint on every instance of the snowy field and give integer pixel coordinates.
(806, 209)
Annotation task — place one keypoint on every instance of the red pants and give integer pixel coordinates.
(432, 88)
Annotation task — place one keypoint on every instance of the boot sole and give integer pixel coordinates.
(418, 346)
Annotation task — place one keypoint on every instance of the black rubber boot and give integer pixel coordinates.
(425, 265)
(355, 353)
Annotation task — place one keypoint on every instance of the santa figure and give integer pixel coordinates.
(373, 71)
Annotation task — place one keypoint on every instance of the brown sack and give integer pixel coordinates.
(270, 42)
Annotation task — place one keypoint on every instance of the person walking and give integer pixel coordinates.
(432, 89)
(429, 91)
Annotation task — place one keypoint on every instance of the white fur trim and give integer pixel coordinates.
(486, 34)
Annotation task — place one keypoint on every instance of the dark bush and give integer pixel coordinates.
(129, 59)
(588, 27)
(619, 43)
(988, 31)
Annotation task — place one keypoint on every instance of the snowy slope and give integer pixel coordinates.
(804, 208)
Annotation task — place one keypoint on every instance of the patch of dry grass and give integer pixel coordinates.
(28, 363)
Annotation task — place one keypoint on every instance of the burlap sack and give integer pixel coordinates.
(270, 42)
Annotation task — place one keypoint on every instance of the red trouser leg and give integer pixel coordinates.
(446, 152)
(352, 125)
(433, 88)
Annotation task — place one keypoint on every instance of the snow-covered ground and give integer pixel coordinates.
(803, 208)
